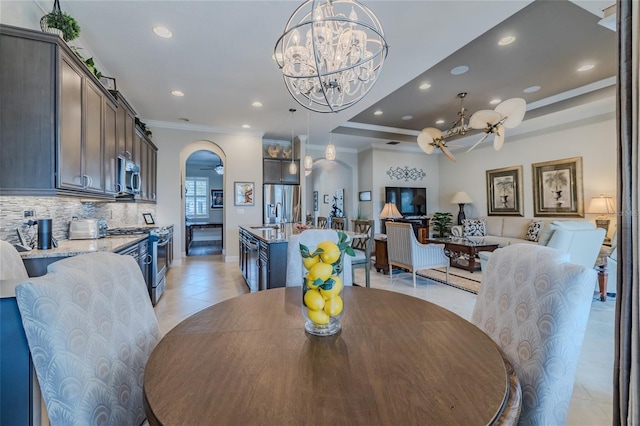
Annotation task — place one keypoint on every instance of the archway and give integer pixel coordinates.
(202, 198)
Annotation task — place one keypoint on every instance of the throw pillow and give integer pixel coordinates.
(534, 230)
(474, 228)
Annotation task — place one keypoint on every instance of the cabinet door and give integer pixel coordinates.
(110, 164)
(288, 177)
(27, 114)
(93, 135)
(70, 155)
(153, 173)
(136, 150)
(129, 134)
(144, 169)
(271, 170)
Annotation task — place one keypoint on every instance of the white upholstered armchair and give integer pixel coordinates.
(90, 328)
(535, 305)
(404, 251)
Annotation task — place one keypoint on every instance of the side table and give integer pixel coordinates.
(382, 262)
(601, 267)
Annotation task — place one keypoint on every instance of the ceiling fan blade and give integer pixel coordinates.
(514, 110)
(484, 118)
(427, 137)
(448, 153)
(479, 142)
(498, 141)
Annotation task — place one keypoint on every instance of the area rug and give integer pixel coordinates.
(458, 278)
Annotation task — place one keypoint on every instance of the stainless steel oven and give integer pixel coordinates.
(158, 252)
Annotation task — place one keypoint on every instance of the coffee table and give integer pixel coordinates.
(462, 252)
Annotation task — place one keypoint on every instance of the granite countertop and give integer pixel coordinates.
(271, 233)
(68, 248)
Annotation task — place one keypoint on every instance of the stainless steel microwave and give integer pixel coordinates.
(129, 181)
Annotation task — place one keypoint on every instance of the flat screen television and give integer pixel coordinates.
(410, 201)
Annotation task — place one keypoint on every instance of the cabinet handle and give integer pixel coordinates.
(85, 181)
(118, 187)
(148, 260)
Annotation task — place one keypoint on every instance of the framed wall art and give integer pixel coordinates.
(504, 192)
(315, 201)
(243, 194)
(557, 188)
(326, 198)
(364, 196)
(217, 198)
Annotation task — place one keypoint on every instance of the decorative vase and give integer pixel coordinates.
(322, 303)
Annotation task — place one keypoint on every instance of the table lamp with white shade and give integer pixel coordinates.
(390, 211)
(461, 198)
(603, 206)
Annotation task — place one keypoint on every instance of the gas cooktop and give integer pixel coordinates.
(129, 231)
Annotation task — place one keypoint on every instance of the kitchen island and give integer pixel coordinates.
(263, 254)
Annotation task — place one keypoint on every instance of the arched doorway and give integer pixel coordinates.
(203, 198)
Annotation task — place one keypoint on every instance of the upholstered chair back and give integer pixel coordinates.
(90, 327)
(11, 265)
(311, 238)
(404, 251)
(535, 306)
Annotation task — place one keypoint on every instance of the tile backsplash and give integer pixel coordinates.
(61, 210)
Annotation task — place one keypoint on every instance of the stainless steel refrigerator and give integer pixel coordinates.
(281, 202)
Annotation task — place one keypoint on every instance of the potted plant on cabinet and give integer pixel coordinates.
(66, 25)
(441, 223)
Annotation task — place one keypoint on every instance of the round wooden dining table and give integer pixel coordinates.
(398, 360)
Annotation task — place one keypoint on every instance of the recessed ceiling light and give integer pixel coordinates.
(256, 104)
(495, 101)
(246, 126)
(425, 86)
(186, 120)
(531, 89)
(407, 117)
(460, 70)
(177, 93)
(586, 67)
(162, 32)
(441, 121)
(504, 41)
(378, 112)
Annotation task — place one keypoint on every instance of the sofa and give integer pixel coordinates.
(580, 238)
(502, 230)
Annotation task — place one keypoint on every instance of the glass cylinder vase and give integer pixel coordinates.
(322, 303)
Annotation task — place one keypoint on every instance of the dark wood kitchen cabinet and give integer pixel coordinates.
(148, 164)
(53, 119)
(126, 126)
(275, 170)
(81, 129)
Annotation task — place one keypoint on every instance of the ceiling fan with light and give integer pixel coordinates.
(219, 169)
(507, 114)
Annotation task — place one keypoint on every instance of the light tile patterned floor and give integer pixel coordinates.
(205, 280)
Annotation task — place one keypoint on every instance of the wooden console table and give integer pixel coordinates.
(190, 226)
(382, 261)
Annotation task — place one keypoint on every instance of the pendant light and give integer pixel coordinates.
(293, 167)
(308, 160)
(330, 151)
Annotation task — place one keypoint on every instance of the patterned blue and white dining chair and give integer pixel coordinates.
(90, 328)
(535, 305)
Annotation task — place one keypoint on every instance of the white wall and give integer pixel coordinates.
(593, 139)
(242, 157)
(384, 159)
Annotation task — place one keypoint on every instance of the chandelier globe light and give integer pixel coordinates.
(331, 53)
(330, 151)
(293, 167)
(219, 169)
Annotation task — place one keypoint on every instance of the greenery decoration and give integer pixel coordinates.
(441, 223)
(65, 23)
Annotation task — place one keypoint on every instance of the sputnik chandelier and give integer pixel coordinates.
(340, 57)
(507, 114)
